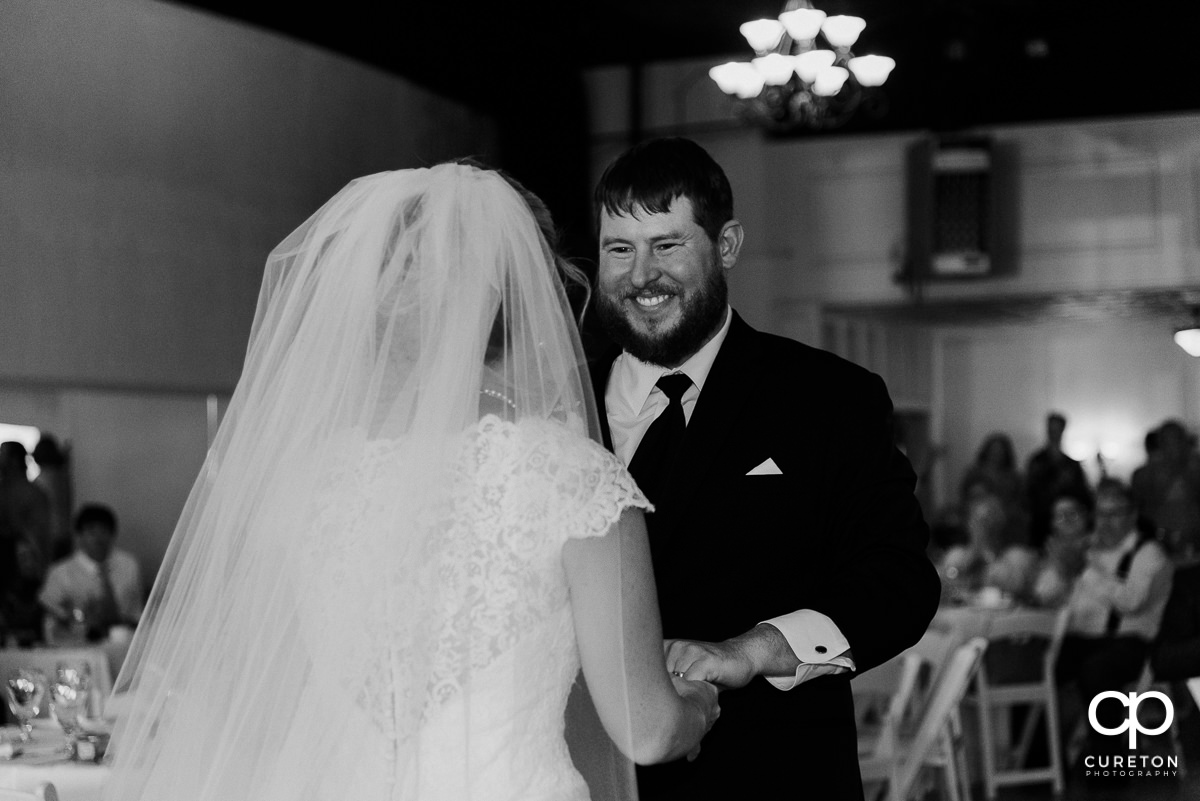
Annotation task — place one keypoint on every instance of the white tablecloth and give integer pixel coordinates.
(44, 760)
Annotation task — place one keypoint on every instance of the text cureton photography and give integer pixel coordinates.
(1131, 765)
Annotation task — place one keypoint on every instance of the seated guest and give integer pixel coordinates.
(989, 558)
(1116, 607)
(1065, 553)
(98, 586)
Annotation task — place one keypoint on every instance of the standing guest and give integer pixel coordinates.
(1169, 490)
(99, 585)
(786, 540)
(1050, 471)
(1116, 606)
(24, 527)
(1140, 485)
(54, 479)
(995, 469)
(24, 509)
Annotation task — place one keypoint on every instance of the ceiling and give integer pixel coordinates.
(960, 63)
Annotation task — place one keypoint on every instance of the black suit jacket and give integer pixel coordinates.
(839, 532)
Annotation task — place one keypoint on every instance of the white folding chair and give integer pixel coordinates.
(1004, 762)
(893, 773)
(883, 699)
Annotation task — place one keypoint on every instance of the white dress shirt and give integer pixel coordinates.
(75, 581)
(1139, 599)
(633, 402)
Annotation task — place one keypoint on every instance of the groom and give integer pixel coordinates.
(786, 540)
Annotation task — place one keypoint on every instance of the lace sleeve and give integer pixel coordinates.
(590, 488)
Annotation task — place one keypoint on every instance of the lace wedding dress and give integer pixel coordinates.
(364, 597)
(483, 716)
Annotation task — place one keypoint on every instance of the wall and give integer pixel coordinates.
(1103, 205)
(150, 158)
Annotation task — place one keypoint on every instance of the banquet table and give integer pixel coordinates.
(103, 660)
(45, 760)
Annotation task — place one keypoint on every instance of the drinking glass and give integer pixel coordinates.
(25, 690)
(69, 700)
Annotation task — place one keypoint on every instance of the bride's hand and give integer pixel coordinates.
(703, 696)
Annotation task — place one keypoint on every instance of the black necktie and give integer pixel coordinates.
(655, 455)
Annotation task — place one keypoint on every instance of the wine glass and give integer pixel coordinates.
(25, 690)
(69, 700)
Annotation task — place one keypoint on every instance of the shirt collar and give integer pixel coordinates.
(89, 564)
(640, 377)
(1126, 544)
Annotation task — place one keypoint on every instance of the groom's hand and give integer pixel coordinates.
(726, 664)
(732, 663)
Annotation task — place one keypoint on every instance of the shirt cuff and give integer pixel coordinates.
(817, 642)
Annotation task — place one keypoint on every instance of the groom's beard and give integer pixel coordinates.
(701, 313)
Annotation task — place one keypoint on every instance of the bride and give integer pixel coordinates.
(406, 540)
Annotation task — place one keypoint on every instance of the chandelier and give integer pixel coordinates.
(799, 80)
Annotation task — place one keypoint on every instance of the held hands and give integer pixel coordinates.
(729, 664)
(703, 696)
(722, 663)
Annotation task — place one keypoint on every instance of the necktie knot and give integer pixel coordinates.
(655, 456)
(674, 385)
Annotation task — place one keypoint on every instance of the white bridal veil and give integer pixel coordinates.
(407, 303)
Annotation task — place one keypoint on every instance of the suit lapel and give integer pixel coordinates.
(723, 400)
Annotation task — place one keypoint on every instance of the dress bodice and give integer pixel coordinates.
(457, 638)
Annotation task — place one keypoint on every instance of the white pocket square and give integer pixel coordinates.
(767, 468)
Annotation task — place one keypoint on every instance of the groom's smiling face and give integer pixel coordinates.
(661, 281)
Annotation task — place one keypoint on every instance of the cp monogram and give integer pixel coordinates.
(1133, 724)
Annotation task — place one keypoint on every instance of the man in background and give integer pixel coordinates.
(1049, 473)
(1116, 608)
(98, 586)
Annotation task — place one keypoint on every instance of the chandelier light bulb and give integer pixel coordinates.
(810, 64)
(829, 81)
(843, 31)
(762, 34)
(871, 70)
(727, 75)
(775, 68)
(738, 78)
(1189, 340)
(802, 24)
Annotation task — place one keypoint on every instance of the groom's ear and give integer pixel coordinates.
(729, 243)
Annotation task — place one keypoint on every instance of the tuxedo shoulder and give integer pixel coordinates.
(809, 360)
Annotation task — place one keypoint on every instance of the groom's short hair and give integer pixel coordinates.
(650, 175)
